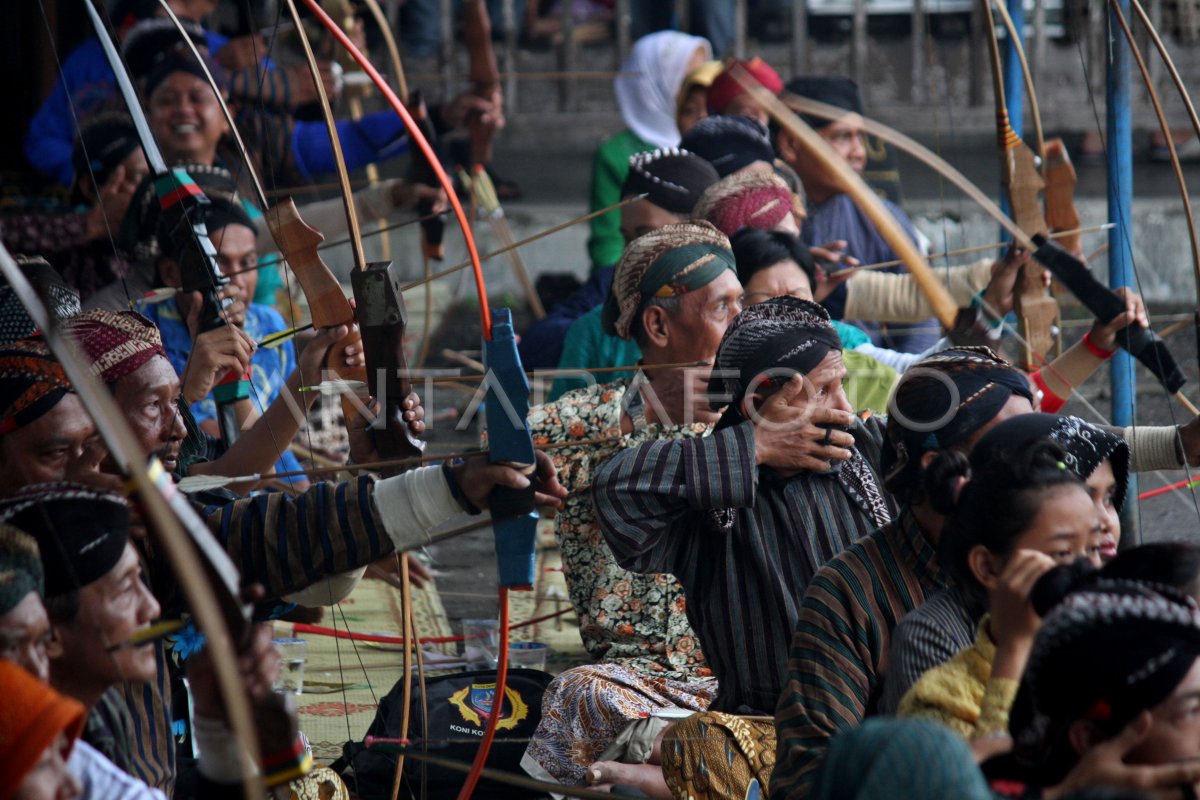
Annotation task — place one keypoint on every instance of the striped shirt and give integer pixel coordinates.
(285, 543)
(743, 542)
(840, 649)
(928, 637)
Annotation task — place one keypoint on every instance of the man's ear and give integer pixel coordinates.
(752, 404)
(87, 188)
(927, 458)
(789, 151)
(168, 270)
(985, 566)
(54, 644)
(1083, 736)
(656, 325)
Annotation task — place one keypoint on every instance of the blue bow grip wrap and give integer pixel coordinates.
(514, 515)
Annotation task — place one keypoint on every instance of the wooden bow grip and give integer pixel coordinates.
(327, 304)
(1037, 312)
(1061, 214)
(383, 319)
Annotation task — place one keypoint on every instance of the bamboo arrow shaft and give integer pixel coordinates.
(528, 240)
(980, 248)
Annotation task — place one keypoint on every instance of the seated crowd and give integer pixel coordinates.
(817, 543)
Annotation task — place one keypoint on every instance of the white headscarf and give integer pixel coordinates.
(649, 82)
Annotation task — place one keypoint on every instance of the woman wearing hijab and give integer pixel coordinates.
(38, 729)
(647, 89)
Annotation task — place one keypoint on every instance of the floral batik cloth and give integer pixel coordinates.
(637, 620)
(584, 709)
(635, 625)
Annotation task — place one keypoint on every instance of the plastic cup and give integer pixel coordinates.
(481, 643)
(293, 653)
(528, 655)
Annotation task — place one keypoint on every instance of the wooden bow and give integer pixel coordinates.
(386, 373)
(1058, 174)
(944, 307)
(1020, 176)
(1166, 131)
(1146, 346)
(514, 517)
(383, 319)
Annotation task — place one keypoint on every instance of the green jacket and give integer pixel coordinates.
(609, 169)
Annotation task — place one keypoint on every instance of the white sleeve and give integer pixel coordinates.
(901, 361)
(222, 759)
(412, 503)
(1153, 447)
(101, 779)
(327, 591)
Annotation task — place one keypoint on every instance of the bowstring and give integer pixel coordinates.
(334, 608)
(1127, 241)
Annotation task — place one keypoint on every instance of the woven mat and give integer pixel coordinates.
(549, 596)
(343, 680)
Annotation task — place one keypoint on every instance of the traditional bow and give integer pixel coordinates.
(381, 310)
(1193, 241)
(1058, 174)
(944, 307)
(1145, 346)
(1022, 181)
(514, 518)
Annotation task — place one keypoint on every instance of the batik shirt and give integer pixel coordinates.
(638, 620)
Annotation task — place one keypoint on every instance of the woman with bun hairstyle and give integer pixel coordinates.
(1018, 515)
(948, 621)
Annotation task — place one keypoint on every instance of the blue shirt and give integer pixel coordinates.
(269, 366)
(84, 86)
(839, 217)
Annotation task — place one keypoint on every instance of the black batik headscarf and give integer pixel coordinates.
(60, 300)
(768, 342)
(1084, 445)
(939, 402)
(81, 531)
(1104, 655)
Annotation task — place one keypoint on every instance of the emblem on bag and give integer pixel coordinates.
(474, 703)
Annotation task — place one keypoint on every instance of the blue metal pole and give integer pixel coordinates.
(1014, 80)
(1011, 80)
(1120, 237)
